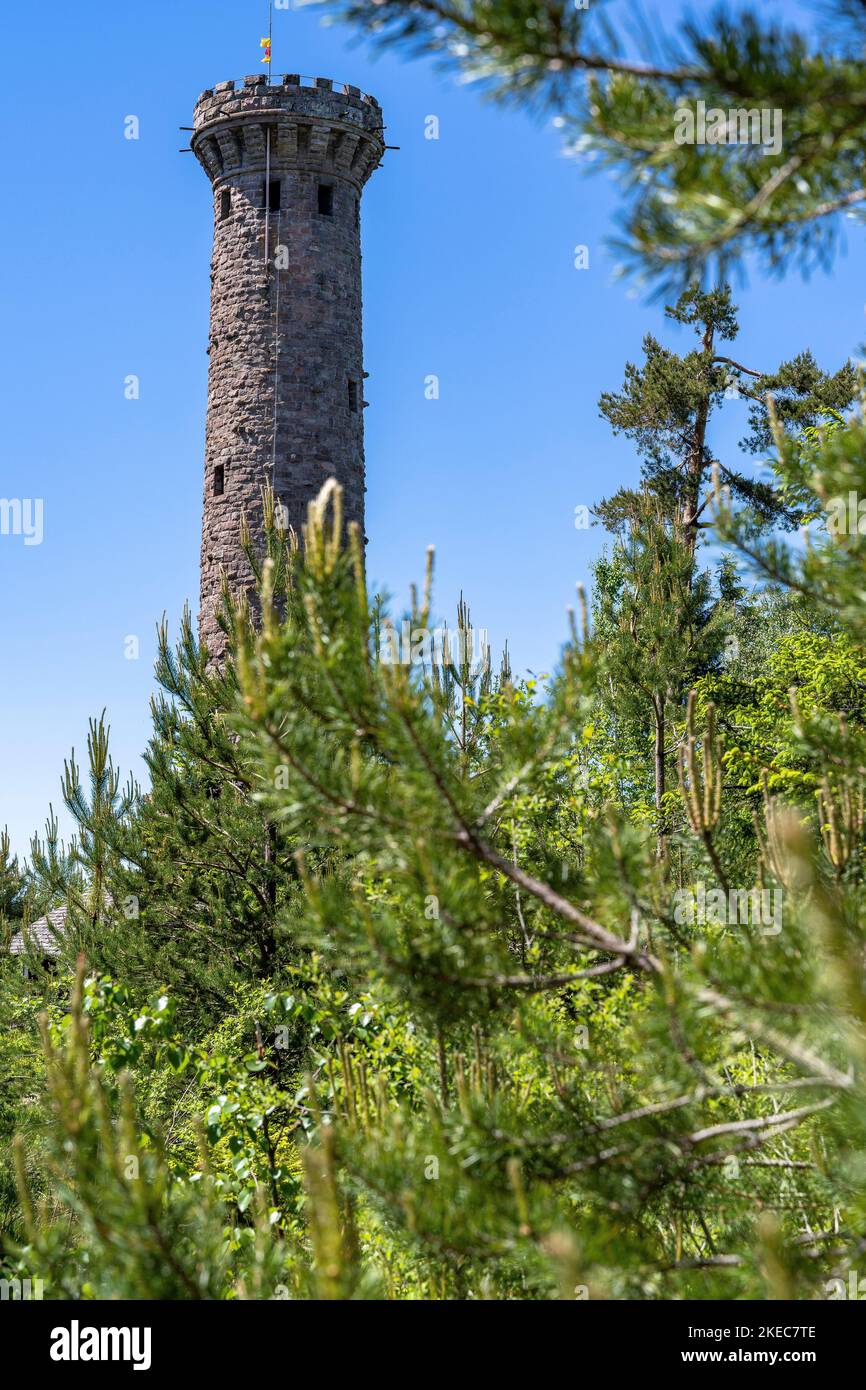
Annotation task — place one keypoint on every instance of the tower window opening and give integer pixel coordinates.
(353, 396)
(225, 204)
(219, 480)
(271, 195)
(326, 200)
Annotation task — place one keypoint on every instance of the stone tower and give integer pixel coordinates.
(287, 164)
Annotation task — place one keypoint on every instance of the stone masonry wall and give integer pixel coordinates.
(285, 382)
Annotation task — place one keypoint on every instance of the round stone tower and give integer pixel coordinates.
(287, 164)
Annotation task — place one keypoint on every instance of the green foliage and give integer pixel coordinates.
(13, 888)
(502, 1060)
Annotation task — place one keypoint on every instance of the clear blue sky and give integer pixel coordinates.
(468, 274)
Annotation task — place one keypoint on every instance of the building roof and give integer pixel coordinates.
(42, 934)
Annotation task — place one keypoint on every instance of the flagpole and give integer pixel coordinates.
(268, 138)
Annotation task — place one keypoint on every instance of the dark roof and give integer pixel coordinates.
(42, 934)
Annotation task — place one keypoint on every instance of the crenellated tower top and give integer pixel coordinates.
(315, 124)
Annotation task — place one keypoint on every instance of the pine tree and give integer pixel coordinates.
(661, 629)
(628, 96)
(13, 888)
(180, 885)
(666, 407)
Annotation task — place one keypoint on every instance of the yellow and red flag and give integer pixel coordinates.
(266, 45)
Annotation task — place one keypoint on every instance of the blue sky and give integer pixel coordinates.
(468, 274)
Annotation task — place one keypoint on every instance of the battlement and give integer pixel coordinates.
(273, 92)
(312, 124)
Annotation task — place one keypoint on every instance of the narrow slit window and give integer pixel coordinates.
(225, 204)
(219, 480)
(271, 195)
(353, 396)
(326, 200)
